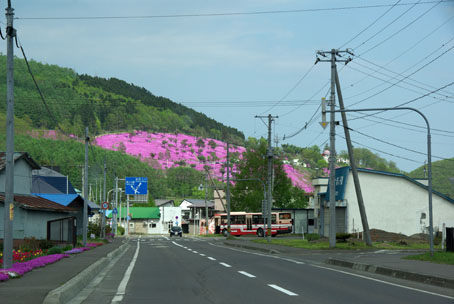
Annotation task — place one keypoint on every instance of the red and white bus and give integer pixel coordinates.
(245, 223)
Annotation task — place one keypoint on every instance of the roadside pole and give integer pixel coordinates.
(228, 191)
(8, 210)
(85, 217)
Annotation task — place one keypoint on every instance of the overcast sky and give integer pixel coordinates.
(233, 60)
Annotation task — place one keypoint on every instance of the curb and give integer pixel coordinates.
(401, 274)
(70, 289)
(251, 248)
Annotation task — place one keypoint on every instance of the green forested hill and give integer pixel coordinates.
(104, 105)
(442, 175)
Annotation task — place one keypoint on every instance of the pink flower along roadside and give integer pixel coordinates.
(22, 266)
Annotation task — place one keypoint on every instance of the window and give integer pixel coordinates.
(153, 225)
(238, 219)
(131, 225)
(257, 219)
(310, 222)
(285, 216)
(423, 215)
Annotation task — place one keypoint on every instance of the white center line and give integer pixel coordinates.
(288, 292)
(210, 258)
(225, 265)
(194, 251)
(124, 282)
(247, 274)
(202, 254)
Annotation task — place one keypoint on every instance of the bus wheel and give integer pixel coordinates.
(225, 233)
(260, 232)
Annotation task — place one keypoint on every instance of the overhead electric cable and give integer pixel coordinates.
(370, 25)
(230, 13)
(400, 30)
(399, 81)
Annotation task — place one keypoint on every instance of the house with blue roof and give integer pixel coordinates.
(394, 202)
(53, 186)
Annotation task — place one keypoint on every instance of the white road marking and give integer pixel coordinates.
(124, 282)
(384, 282)
(202, 254)
(166, 238)
(225, 265)
(288, 292)
(194, 251)
(210, 258)
(247, 274)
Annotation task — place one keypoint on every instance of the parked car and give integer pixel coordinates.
(176, 230)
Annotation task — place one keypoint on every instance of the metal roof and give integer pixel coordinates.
(17, 156)
(38, 203)
(141, 212)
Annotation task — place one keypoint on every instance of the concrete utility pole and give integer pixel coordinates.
(114, 216)
(85, 217)
(103, 221)
(206, 204)
(228, 190)
(332, 140)
(269, 155)
(359, 195)
(8, 210)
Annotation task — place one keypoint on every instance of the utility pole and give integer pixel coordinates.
(359, 195)
(85, 217)
(228, 190)
(332, 143)
(103, 220)
(8, 210)
(206, 204)
(114, 216)
(269, 155)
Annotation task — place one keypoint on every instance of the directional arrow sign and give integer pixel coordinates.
(323, 123)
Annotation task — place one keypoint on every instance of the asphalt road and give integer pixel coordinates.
(193, 270)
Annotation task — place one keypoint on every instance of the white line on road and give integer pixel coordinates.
(202, 254)
(210, 258)
(288, 292)
(225, 265)
(194, 251)
(124, 282)
(384, 282)
(166, 238)
(247, 274)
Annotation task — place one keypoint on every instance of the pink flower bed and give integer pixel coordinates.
(18, 269)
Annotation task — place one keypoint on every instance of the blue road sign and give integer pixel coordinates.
(136, 185)
(115, 211)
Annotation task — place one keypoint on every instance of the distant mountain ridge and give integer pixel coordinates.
(104, 105)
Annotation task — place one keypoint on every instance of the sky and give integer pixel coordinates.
(235, 60)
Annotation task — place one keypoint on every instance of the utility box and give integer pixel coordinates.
(450, 239)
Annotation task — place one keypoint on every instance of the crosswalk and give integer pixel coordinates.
(160, 241)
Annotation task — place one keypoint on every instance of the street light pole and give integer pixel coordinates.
(429, 159)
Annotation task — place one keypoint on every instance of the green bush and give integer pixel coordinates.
(66, 248)
(312, 237)
(342, 237)
(45, 244)
(120, 230)
(54, 250)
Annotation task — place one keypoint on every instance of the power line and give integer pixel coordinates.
(400, 55)
(401, 80)
(230, 13)
(370, 25)
(400, 30)
(391, 144)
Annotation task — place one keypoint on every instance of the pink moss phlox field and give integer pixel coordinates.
(166, 150)
(18, 269)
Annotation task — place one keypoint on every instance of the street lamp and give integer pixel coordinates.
(429, 159)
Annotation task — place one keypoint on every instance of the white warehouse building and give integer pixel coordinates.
(393, 202)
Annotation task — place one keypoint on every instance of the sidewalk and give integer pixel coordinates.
(34, 286)
(384, 262)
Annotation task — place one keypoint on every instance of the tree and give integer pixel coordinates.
(248, 192)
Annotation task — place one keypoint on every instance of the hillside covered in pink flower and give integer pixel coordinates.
(166, 150)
